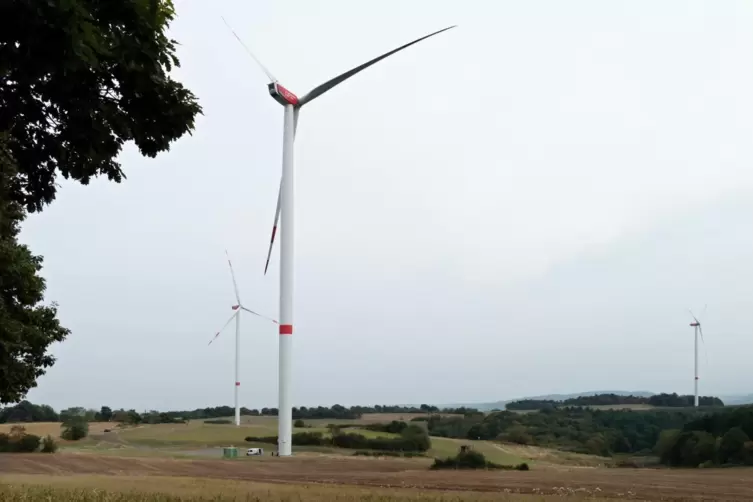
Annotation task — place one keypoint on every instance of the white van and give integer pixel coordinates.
(254, 451)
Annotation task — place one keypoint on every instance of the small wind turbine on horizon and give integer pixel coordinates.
(237, 308)
(698, 330)
(285, 208)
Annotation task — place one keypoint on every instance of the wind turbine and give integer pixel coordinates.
(285, 205)
(696, 325)
(237, 308)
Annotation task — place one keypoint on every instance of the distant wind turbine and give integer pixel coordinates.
(696, 325)
(238, 307)
(285, 204)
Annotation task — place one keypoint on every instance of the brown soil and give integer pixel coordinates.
(643, 484)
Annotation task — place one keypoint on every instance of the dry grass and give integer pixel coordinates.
(545, 456)
(87, 488)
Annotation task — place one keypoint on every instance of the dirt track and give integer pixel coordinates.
(709, 484)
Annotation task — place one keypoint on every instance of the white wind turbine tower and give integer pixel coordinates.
(238, 307)
(285, 206)
(696, 325)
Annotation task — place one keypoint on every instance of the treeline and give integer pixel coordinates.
(659, 400)
(411, 438)
(577, 429)
(28, 412)
(720, 438)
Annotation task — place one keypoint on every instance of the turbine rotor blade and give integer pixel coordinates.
(321, 89)
(279, 201)
(223, 327)
(274, 228)
(263, 68)
(232, 274)
(694, 317)
(258, 314)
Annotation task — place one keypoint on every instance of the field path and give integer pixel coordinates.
(646, 484)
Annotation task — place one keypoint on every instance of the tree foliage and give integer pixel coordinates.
(18, 441)
(75, 427)
(78, 79)
(658, 400)
(27, 412)
(27, 328)
(582, 430)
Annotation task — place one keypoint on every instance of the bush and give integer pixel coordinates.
(732, 446)
(394, 427)
(406, 454)
(264, 439)
(18, 441)
(299, 439)
(299, 424)
(517, 434)
(413, 438)
(469, 459)
(74, 431)
(691, 449)
(218, 421)
(309, 439)
(49, 445)
(28, 443)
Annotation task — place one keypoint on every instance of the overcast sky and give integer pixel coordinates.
(524, 205)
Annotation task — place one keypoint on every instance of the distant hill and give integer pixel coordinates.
(738, 400)
(500, 405)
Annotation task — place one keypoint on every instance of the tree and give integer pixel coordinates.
(80, 78)
(105, 414)
(732, 446)
(27, 328)
(75, 427)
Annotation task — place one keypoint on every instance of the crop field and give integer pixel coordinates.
(181, 462)
(53, 428)
(346, 479)
(170, 489)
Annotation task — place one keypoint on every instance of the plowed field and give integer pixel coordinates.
(646, 484)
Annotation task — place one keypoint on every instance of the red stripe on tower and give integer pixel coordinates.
(286, 329)
(237, 384)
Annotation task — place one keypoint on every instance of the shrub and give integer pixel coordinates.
(732, 446)
(28, 443)
(406, 454)
(218, 422)
(75, 427)
(517, 434)
(49, 445)
(75, 431)
(394, 427)
(469, 459)
(299, 424)
(309, 439)
(18, 441)
(264, 439)
(299, 439)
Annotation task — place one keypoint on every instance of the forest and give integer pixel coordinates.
(28, 412)
(658, 400)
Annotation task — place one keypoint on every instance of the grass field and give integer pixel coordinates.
(197, 438)
(32, 488)
(344, 478)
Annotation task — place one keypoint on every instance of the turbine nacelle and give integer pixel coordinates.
(282, 95)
